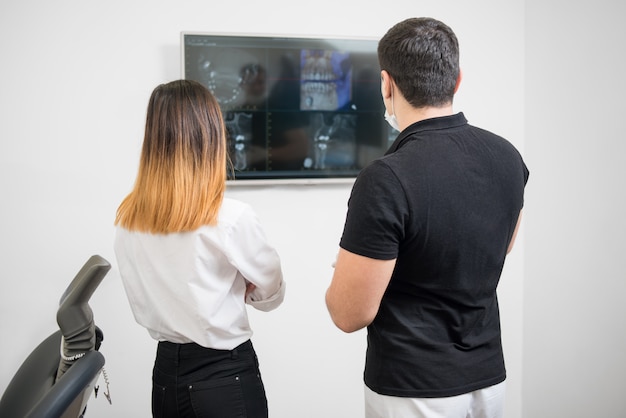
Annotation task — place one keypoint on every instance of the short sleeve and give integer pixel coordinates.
(377, 214)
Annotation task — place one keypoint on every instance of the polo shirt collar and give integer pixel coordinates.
(432, 124)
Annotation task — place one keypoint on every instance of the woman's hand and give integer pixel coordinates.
(249, 289)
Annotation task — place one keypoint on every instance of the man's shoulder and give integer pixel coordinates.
(378, 168)
(488, 134)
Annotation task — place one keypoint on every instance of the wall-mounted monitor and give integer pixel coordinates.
(295, 108)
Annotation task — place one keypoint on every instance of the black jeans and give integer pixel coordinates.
(189, 380)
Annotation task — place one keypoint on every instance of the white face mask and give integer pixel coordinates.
(391, 119)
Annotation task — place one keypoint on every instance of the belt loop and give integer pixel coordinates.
(234, 354)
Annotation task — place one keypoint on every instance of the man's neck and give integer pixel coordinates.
(410, 115)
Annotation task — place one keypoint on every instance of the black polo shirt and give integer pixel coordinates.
(444, 202)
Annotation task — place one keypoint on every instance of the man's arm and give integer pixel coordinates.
(357, 287)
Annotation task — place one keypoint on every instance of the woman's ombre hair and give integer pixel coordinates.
(183, 167)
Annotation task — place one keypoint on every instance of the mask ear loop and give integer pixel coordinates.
(393, 110)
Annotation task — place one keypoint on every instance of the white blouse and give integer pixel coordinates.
(190, 287)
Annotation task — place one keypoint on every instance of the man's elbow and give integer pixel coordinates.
(347, 315)
(348, 326)
(349, 323)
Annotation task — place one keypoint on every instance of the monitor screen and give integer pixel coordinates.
(294, 108)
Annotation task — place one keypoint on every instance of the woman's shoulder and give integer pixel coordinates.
(232, 210)
(230, 204)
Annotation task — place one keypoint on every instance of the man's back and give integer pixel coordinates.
(444, 202)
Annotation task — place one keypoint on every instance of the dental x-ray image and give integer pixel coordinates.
(334, 142)
(325, 79)
(239, 132)
(294, 108)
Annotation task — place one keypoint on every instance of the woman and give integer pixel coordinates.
(190, 259)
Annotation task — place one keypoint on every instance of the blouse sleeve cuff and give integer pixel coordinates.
(269, 303)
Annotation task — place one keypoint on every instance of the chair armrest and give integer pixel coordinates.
(74, 386)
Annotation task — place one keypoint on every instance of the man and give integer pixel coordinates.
(427, 231)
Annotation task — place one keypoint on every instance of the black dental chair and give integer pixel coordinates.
(58, 377)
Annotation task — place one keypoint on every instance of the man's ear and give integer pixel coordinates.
(385, 84)
(458, 81)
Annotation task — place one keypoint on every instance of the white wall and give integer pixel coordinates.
(75, 83)
(575, 268)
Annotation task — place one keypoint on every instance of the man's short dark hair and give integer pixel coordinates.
(422, 57)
